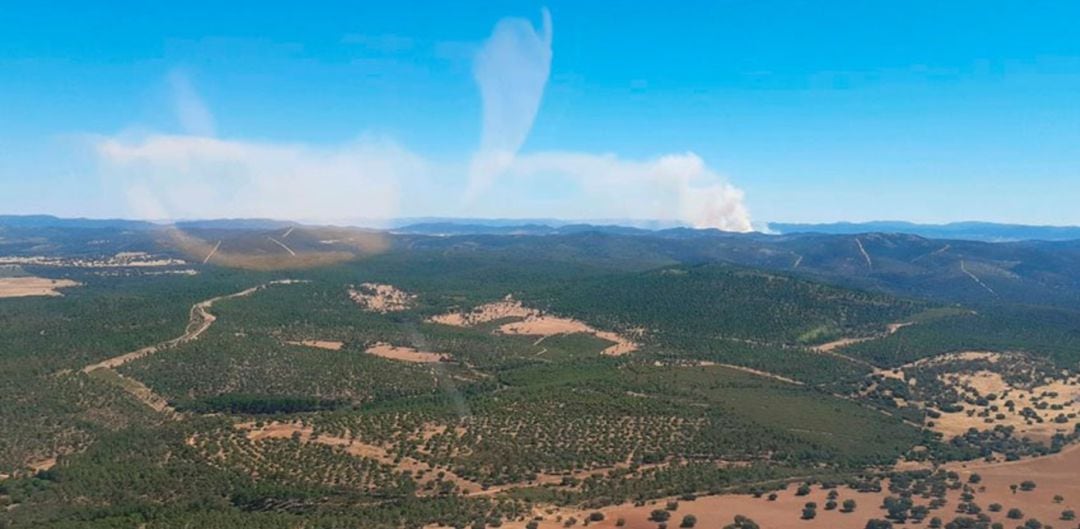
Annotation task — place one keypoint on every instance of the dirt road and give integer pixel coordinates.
(199, 321)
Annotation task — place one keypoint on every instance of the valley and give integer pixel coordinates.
(450, 382)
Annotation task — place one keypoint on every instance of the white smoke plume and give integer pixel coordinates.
(512, 70)
(677, 186)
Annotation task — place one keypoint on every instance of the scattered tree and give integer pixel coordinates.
(659, 515)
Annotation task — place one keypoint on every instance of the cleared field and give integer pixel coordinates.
(405, 354)
(17, 287)
(957, 393)
(329, 345)
(532, 322)
(1038, 412)
(1054, 476)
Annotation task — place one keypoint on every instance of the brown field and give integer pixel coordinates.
(329, 345)
(506, 308)
(17, 287)
(405, 354)
(544, 326)
(1053, 475)
(1057, 474)
(532, 322)
(1062, 393)
(44, 464)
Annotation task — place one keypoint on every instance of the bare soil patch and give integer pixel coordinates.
(1038, 412)
(329, 345)
(43, 464)
(376, 297)
(17, 287)
(829, 347)
(532, 322)
(488, 312)
(1053, 475)
(963, 356)
(546, 325)
(406, 354)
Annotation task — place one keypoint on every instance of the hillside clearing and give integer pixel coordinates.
(17, 287)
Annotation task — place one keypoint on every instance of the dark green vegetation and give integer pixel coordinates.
(724, 302)
(508, 421)
(1051, 332)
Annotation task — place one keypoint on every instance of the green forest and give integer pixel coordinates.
(735, 383)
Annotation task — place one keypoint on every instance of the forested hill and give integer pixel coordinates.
(954, 271)
(722, 301)
(945, 270)
(274, 376)
(974, 231)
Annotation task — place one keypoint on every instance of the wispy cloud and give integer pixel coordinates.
(197, 174)
(191, 112)
(176, 176)
(511, 70)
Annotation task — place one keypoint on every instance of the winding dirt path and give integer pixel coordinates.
(199, 321)
(830, 348)
(753, 371)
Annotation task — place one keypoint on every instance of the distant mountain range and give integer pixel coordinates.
(870, 256)
(971, 231)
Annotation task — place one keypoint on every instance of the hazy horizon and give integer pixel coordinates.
(397, 222)
(719, 115)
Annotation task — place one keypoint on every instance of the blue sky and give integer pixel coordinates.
(714, 113)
